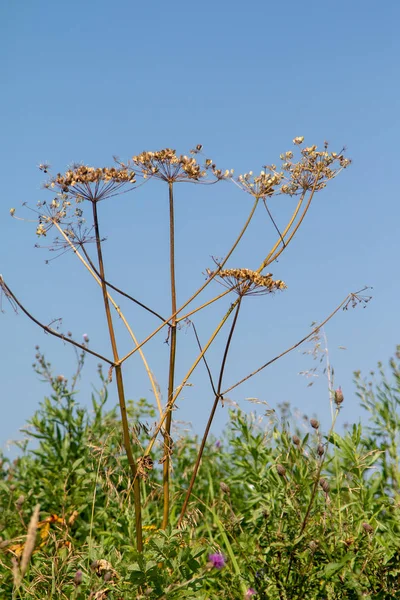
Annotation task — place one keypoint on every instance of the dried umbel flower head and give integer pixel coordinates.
(167, 165)
(259, 186)
(312, 171)
(248, 282)
(90, 183)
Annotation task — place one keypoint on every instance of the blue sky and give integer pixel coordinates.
(87, 80)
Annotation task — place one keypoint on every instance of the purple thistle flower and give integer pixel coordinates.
(217, 560)
(218, 444)
(85, 338)
(250, 592)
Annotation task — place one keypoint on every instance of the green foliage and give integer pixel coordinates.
(317, 517)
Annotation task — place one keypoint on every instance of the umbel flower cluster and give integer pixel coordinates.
(246, 282)
(167, 165)
(90, 183)
(311, 172)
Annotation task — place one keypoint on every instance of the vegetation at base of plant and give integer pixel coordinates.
(272, 517)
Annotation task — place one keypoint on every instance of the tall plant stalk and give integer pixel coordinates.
(217, 399)
(120, 386)
(172, 356)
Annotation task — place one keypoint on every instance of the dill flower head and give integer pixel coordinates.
(313, 169)
(167, 165)
(90, 183)
(246, 282)
(259, 186)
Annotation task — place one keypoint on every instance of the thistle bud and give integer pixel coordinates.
(314, 423)
(338, 398)
(224, 488)
(296, 440)
(20, 501)
(320, 450)
(78, 578)
(324, 484)
(281, 470)
(367, 527)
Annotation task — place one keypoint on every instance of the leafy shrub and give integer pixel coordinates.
(275, 514)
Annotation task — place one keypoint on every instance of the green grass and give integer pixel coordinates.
(316, 516)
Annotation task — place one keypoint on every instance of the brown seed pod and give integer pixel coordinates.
(224, 488)
(320, 450)
(314, 423)
(296, 440)
(324, 484)
(281, 470)
(367, 527)
(338, 398)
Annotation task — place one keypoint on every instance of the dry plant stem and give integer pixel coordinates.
(120, 388)
(185, 379)
(48, 329)
(172, 356)
(122, 317)
(218, 397)
(273, 255)
(348, 297)
(118, 290)
(215, 273)
(195, 310)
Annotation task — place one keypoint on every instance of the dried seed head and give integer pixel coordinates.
(367, 527)
(338, 399)
(324, 484)
(224, 488)
(248, 282)
(281, 470)
(313, 545)
(314, 423)
(320, 450)
(20, 501)
(296, 440)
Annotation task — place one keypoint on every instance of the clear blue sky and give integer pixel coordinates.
(85, 80)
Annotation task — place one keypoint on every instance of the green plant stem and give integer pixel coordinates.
(218, 397)
(313, 493)
(172, 356)
(120, 387)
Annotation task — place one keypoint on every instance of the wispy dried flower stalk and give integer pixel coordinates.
(19, 573)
